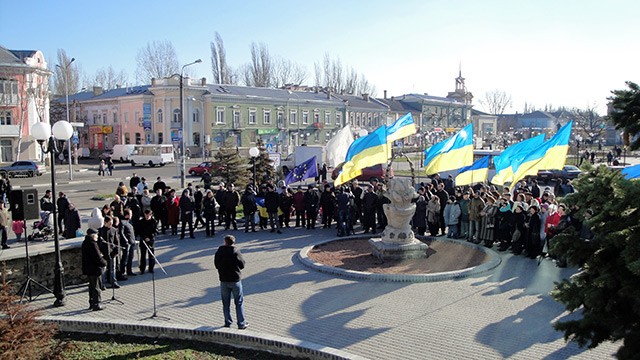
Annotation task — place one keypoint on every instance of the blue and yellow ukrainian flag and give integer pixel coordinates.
(451, 154)
(552, 154)
(474, 173)
(400, 129)
(631, 172)
(513, 154)
(364, 152)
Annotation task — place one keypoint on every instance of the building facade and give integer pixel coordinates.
(24, 83)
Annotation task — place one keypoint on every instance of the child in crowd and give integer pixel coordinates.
(18, 228)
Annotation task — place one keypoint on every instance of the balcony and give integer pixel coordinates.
(10, 130)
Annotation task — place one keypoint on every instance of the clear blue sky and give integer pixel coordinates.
(569, 52)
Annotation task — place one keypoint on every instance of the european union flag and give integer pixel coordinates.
(308, 169)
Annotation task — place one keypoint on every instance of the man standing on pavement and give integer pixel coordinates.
(134, 181)
(46, 202)
(93, 264)
(230, 201)
(147, 230)
(108, 246)
(443, 195)
(229, 262)
(272, 203)
(4, 223)
(128, 243)
(311, 200)
(63, 209)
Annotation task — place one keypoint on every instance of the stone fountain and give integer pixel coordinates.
(398, 240)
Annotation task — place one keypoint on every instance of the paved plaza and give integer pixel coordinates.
(506, 313)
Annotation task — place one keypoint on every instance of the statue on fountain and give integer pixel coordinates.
(398, 240)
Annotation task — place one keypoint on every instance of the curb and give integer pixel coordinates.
(493, 262)
(245, 339)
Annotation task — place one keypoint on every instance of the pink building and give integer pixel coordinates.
(24, 83)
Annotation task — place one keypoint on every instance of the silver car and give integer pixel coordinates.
(21, 168)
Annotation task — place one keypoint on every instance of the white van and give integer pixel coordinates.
(152, 155)
(122, 152)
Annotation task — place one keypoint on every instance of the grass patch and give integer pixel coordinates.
(112, 347)
(102, 197)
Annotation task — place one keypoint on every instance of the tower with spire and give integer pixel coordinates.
(461, 94)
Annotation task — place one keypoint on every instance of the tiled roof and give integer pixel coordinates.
(8, 57)
(415, 97)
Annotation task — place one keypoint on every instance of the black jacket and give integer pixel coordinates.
(229, 262)
(147, 229)
(209, 207)
(272, 201)
(92, 260)
(187, 205)
(311, 200)
(249, 202)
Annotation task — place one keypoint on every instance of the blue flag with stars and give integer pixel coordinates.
(308, 169)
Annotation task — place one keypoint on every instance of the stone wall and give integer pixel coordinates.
(42, 265)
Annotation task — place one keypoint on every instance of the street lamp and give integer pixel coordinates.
(182, 147)
(65, 69)
(62, 130)
(254, 152)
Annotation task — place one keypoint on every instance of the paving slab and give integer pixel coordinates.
(504, 313)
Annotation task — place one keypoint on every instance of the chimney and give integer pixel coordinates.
(118, 86)
(97, 90)
(385, 94)
(153, 81)
(329, 94)
(203, 81)
(365, 96)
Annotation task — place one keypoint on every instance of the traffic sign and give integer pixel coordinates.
(269, 147)
(75, 140)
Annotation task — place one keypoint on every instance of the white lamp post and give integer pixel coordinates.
(62, 130)
(254, 152)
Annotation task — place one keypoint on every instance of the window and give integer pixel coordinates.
(96, 118)
(252, 115)
(196, 139)
(138, 139)
(195, 117)
(316, 117)
(160, 117)
(127, 138)
(115, 117)
(305, 117)
(280, 118)
(338, 119)
(105, 118)
(160, 138)
(148, 139)
(126, 118)
(5, 118)
(327, 118)
(293, 117)
(219, 115)
(266, 117)
(176, 115)
(138, 118)
(237, 119)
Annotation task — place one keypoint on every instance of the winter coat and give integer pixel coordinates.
(311, 200)
(209, 205)
(452, 213)
(249, 202)
(229, 262)
(172, 207)
(187, 206)
(420, 216)
(286, 202)
(272, 201)
(298, 201)
(464, 209)
(158, 205)
(230, 200)
(433, 210)
(475, 207)
(71, 223)
(93, 261)
(146, 202)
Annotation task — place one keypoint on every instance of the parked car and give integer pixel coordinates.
(21, 168)
(569, 172)
(105, 155)
(207, 165)
(375, 171)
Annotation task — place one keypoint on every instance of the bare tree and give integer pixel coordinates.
(496, 101)
(107, 78)
(287, 72)
(260, 66)
(157, 59)
(588, 122)
(222, 73)
(317, 75)
(62, 73)
(351, 82)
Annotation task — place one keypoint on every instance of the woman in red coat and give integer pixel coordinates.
(173, 211)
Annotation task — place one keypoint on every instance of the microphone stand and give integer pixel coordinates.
(153, 282)
(113, 288)
(27, 284)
